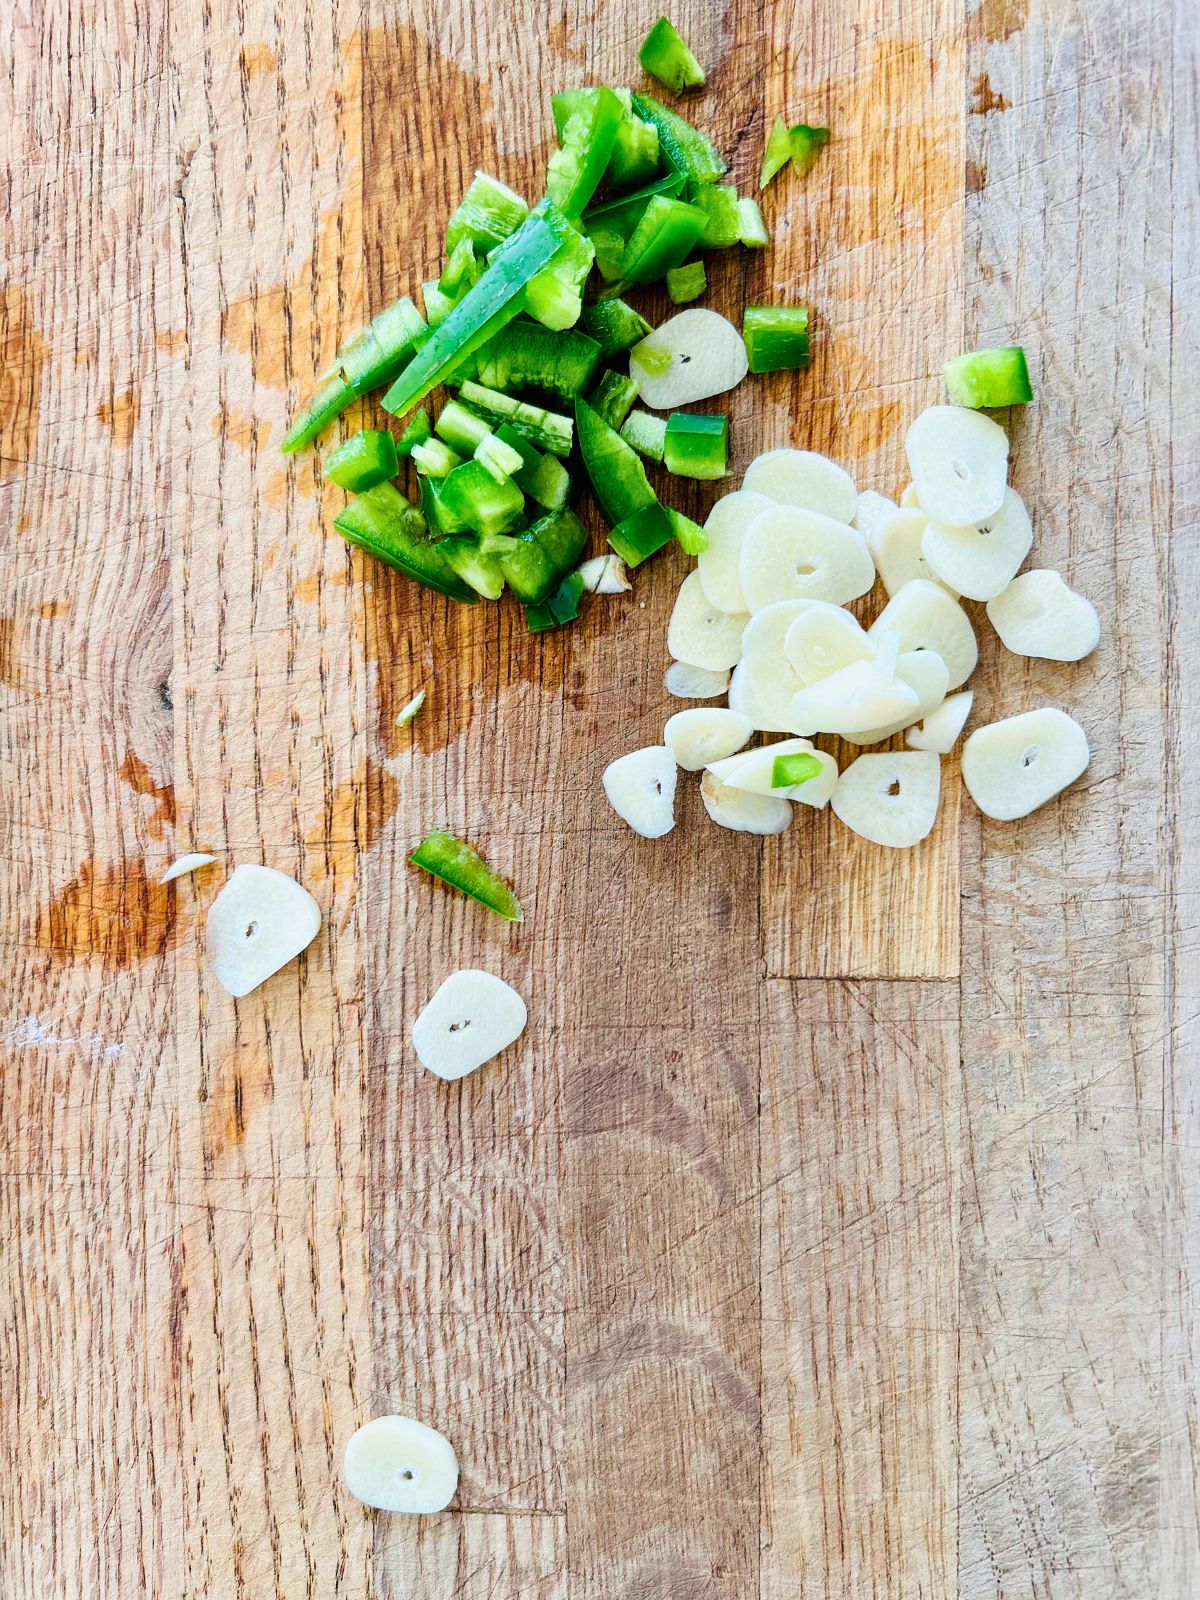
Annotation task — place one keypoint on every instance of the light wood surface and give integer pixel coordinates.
(832, 1231)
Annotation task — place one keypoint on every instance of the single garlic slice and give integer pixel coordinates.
(641, 789)
(941, 728)
(925, 673)
(872, 512)
(890, 798)
(804, 478)
(927, 618)
(471, 1018)
(745, 698)
(1038, 615)
(699, 634)
(182, 865)
(979, 561)
(742, 811)
(705, 734)
(689, 357)
(908, 499)
(824, 638)
(606, 574)
(896, 551)
(398, 1464)
(1012, 767)
(260, 921)
(752, 770)
(858, 696)
(792, 554)
(719, 565)
(959, 462)
(769, 680)
(694, 683)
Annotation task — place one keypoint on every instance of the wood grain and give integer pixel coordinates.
(832, 1230)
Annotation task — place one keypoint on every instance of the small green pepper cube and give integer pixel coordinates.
(776, 337)
(696, 446)
(363, 461)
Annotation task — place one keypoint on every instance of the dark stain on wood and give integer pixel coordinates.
(138, 776)
(975, 177)
(243, 1085)
(352, 824)
(120, 415)
(22, 363)
(997, 20)
(110, 914)
(985, 98)
(9, 669)
(257, 59)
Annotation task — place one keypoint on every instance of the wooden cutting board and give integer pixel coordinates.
(831, 1232)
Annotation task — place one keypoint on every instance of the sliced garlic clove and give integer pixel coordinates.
(804, 478)
(979, 561)
(824, 638)
(694, 683)
(471, 1018)
(705, 734)
(890, 798)
(927, 618)
(745, 698)
(1012, 767)
(182, 865)
(959, 462)
(792, 554)
(908, 500)
(689, 357)
(699, 634)
(752, 770)
(856, 697)
(261, 920)
(719, 565)
(769, 680)
(1038, 615)
(399, 1464)
(641, 789)
(741, 811)
(941, 728)
(872, 512)
(925, 673)
(605, 575)
(896, 551)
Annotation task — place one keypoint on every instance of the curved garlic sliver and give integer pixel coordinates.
(856, 697)
(908, 499)
(927, 618)
(871, 512)
(752, 770)
(605, 574)
(890, 798)
(470, 1019)
(719, 564)
(699, 634)
(182, 865)
(959, 462)
(1038, 615)
(741, 811)
(925, 673)
(694, 683)
(641, 789)
(942, 726)
(896, 551)
(824, 638)
(804, 478)
(261, 920)
(979, 561)
(792, 554)
(1012, 767)
(705, 734)
(399, 1464)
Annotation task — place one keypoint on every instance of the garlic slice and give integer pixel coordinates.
(804, 478)
(792, 554)
(741, 811)
(399, 1464)
(1012, 767)
(925, 673)
(261, 920)
(705, 734)
(769, 680)
(959, 462)
(606, 574)
(927, 618)
(908, 499)
(752, 770)
(1038, 615)
(896, 551)
(689, 357)
(940, 730)
(641, 789)
(699, 634)
(824, 638)
(694, 683)
(182, 865)
(855, 698)
(872, 512)
(891, 797)
(471, 1018)
(719, 565)
(744, 697)
(979, 561)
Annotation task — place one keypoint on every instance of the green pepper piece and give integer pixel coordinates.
(554, 296)
(666, 57)
(546, 429)
(417, 432)
(613, 398)
(541, 477)
(617, 474)
(615, 326)
(481, 572)
(799, 767)
(461, 428)
(646, 433)
(777, 154)
(696, 446)
(574, 171)
(381, 522)
(562, 606)
(752, 230)
(806, 145)
(993, 378)
(690, 536)
(641, 534)
(536, 561)
(563, 537)
(367, 458)
(623, 214)
(471, 499)
(687, 282)
(461, 866)
(686, 149)
(462, 271)
(609, 247)
(661, 240)
(488, 214)
(635, 154)
(435, 459)
(498, 458)
(527, 356)
(722, 222)
(776, 337)
(324, 407)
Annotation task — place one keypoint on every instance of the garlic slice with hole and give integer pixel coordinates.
(1012, 767)
(719, 565)
(641, 789)
(1038, 615)
(398, 1464)
(980, 560)
(408, 712)
(896, 551)
(694, 683)
(471, 1018)
(872, 512)
(689, 357)
(824, 638)
(741, 811)
(792, 554)
(856, 697)
(891, 797)
(261, 920)
(804, 478)
(925, 673)
(941, 728)
(768, 680)
(752, 770)
(929, 619)
(605, 575)
(959, 462)
(182, 865)
(705, 734)
(701, 635)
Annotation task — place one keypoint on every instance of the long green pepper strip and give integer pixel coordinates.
(618, 476)
(461, 866)
(574, 171)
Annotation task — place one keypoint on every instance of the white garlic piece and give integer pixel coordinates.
(959, 463)
(927, 618)
(890, 798)
(641, 789)
(1012, 767)
(804, 478)
(699, 634)
(942, 726)
(979, 561)
(792, 554)
(741, 811)
(1038, 615)
(719, 565)
(705, 734)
